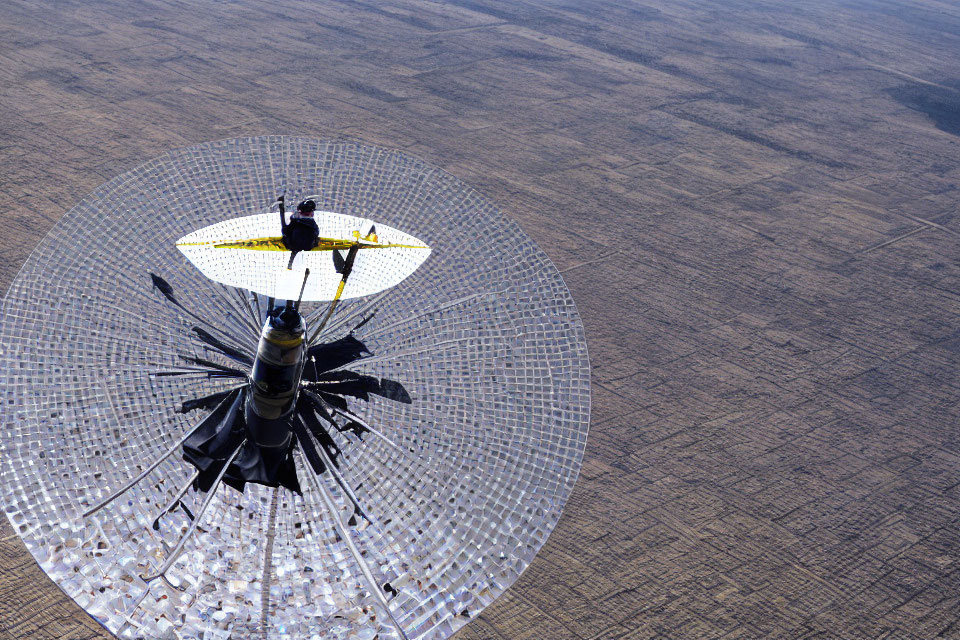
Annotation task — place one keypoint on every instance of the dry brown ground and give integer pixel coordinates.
(753, 204)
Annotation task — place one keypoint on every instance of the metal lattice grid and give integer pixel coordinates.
(484, 335)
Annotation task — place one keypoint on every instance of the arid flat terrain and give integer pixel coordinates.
(754, 205)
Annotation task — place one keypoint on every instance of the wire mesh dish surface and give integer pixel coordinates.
(484, 336)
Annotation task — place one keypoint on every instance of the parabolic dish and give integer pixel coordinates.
(483, 335)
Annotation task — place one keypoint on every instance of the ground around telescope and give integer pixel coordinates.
(752, 203)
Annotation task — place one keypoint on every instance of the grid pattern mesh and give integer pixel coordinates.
(484, 336)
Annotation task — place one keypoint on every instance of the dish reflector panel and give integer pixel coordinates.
(484, 337)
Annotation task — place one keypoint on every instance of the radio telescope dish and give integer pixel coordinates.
(461, 455)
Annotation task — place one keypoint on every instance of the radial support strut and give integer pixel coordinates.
(173, 449)
(345, 535)
(196, 521)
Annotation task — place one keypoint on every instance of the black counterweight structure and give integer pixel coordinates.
(266, 408)
(275, 378)
(261, 412)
